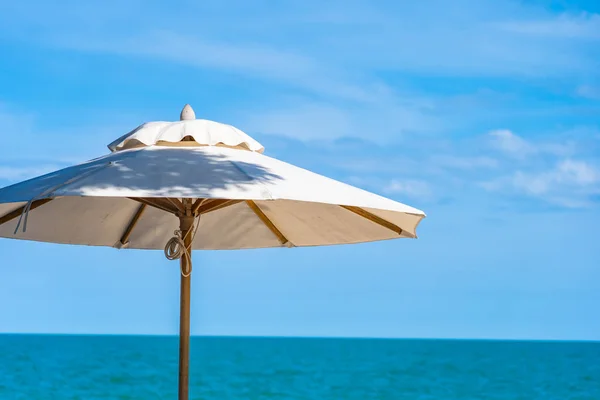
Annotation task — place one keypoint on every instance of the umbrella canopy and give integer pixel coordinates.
(166, 178)
(245, 199)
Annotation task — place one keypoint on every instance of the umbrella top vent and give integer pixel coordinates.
(187, 132)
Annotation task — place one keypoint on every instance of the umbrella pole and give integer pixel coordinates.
(185, 225)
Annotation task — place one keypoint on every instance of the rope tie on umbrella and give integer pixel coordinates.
(175, 248)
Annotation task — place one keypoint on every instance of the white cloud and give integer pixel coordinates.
(410, 188)
(568, 183)
(577, 172)
(514, 145)
(510, 143)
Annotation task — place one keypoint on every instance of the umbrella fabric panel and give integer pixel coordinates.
(316, 224)
(233, 227)
(75, 220)
(103, 221)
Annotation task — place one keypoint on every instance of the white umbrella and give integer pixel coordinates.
(164, 179)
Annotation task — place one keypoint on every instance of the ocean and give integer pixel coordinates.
(38, 367)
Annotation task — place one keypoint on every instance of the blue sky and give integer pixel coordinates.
(484, 114)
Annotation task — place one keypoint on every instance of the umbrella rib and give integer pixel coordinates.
(197, 205)
(374, 218)
(265, 220)
(213, 205)
(132, 224)
(14, 214)
(167, 204)
(153, 202)
(177, 203)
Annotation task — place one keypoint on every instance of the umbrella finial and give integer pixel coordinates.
(187, 113)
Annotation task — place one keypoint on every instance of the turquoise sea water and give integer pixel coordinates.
(129, 367)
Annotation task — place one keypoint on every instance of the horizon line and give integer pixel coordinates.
(246, 336)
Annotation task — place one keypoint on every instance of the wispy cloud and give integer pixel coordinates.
(331, 47)
(583, 26)
(506, 141)
(14, 122)
(410, 188)
(569, 183)
(465, 162)
(516, 146)
(263, 60)
(588, 91)
(309, 120)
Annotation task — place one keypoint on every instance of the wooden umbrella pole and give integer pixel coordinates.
(185, 225)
